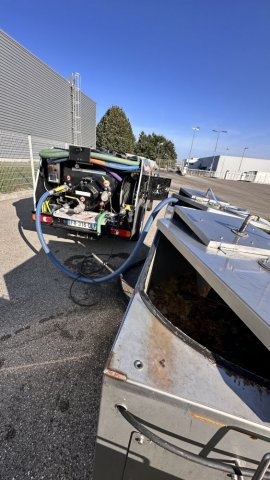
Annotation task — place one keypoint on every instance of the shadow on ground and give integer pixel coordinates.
(53, 352)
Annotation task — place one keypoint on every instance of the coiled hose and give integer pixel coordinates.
(119, 270)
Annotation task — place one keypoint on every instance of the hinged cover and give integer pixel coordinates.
(218, 231)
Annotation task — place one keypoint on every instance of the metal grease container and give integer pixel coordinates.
(186, 390)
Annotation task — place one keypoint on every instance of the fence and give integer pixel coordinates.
(201, 173)
(213, 174)
(258, 177)
(19, 159)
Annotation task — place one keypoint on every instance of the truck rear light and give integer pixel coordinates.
(43, 218)
(120, 232)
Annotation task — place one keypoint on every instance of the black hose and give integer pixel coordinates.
(192, 457)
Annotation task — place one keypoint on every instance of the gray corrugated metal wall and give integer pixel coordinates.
(36, 100)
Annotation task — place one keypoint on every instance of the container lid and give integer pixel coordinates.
(199, 195)
(224, 231)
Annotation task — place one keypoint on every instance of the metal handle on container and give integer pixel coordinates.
(258, 474)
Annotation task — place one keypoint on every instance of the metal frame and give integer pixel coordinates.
(258, 474)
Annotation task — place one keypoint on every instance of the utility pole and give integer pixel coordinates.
(158, 147)
(214, 156)
(239, 169)
(195, 129)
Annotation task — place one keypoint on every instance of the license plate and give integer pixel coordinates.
(81, 224)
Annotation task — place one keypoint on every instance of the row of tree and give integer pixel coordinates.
(114, 133)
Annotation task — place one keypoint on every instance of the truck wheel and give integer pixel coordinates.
(139, 224)
(149, 205)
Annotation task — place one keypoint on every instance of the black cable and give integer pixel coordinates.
(95, 272)
(81, 272)
(206, 462)
(71, 296)
(110, 256)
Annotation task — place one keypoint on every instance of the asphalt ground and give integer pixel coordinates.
(53, 350)
(253, 196)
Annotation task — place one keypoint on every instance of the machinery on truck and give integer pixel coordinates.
(95, 193)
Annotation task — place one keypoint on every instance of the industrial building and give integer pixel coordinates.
(37, 101)
(234, 168)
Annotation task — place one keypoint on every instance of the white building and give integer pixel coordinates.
(237, 168)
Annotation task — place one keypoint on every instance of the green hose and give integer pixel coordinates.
(54, 153)
(99, 221)
(106, 157)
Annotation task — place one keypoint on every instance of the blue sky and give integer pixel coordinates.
(170, 64)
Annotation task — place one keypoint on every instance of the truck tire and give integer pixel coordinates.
(139, 224)
(149, 205)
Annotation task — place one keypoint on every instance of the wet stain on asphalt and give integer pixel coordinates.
(64, 332)
(63, 405)
(5, 337)
(20, 330)
(80, 335)
(74, 261)
(10, 433)
(47, 319)
(58, 315)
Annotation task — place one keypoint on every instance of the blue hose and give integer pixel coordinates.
(115, 166)
(124, 265)
(118, 166)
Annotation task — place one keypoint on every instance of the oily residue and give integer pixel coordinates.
(160, 354)
(210, 322)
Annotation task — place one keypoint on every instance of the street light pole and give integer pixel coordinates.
(239, 169)
(195, 129)
(221, 169)
(218, 134)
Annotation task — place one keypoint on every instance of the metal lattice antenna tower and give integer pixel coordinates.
(75, 83)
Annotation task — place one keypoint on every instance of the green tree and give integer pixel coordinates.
(156, 147)
(114, 132)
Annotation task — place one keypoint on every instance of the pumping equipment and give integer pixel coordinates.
(112, 275)
(91, 193)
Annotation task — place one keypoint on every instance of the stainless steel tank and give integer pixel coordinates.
(186, 390)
